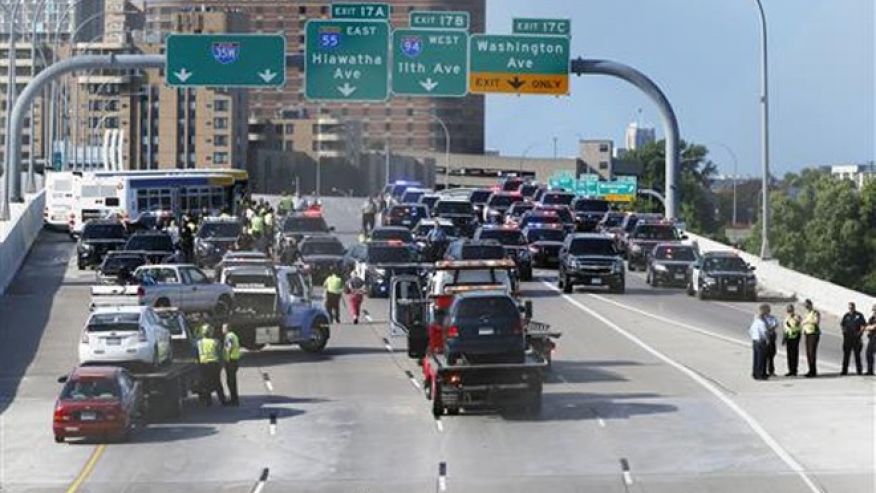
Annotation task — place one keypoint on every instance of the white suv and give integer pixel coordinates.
(125, 334)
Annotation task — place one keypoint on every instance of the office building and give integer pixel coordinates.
(638, 136)
(859, 174)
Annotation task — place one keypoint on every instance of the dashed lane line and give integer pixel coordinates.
(755, 426)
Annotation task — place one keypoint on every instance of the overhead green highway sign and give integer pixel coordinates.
(429, 62)
(346, 60)
(241, 60)
(519, 64)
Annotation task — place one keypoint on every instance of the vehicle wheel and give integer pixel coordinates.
(80, 266)
(162, 303)
(689, 289)
(567, 286)
(526, 275)
(701, 294)
(222, 308)
(752, 297)
(437, 405)
(155, 361)
(619, 288)
(452, 411)
(59, 439)
(560, 279)
(321, 337)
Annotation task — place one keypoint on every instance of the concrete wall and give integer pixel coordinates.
(18, 234)
(826, 297)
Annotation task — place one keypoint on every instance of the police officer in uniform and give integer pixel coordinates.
(334, 288)
(853, 323)
(759, 332)
(870, 330)
(812, 333)
(232, 362)
(791, 340)
(210, 368)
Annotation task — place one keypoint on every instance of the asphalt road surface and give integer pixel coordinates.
(650, 392)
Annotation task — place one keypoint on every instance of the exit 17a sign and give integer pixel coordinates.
(346, 60)
(429, 62)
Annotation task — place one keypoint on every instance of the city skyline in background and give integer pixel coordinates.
(821, 84)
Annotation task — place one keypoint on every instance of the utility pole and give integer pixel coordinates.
(765, 138)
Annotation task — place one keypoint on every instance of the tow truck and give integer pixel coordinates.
(418, 313)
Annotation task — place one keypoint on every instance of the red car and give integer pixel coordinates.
(97, 401)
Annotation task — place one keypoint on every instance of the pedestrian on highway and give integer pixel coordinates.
(853, 323)
(759, 333)
(355, 291)
(870, 329)
(791, 340)
(369, 211)
(334, 288)
(812, 333)
(772, 324)
(210, 368)
(231, 357)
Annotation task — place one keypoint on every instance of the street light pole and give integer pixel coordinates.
(8, 188)
(765, 138)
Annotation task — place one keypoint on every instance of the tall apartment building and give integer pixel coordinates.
(403, 122)
(638, 136)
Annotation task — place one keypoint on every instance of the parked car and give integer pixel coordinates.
(97, 401)
(484, 327)
(512, 240)
(460, 212)
(98, 237)
(722, 274)
(321, 254)
(645, 236)
(497, 205)
(545, 242)
(407, 215)
(157, 245)
(464, 249)
(115, 262)
(125, 334)
(669, 264)
(215, 236)
(588, 212)
(590, 259)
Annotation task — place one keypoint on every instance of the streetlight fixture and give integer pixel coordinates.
(446, 144)
(765, 138)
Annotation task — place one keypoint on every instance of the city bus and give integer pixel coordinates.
(128, 194)
(61, 187)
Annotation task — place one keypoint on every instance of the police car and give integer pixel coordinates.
(545, 241)
(513, 242)
(377, 262)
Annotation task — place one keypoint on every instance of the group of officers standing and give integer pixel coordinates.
(214, 355)
(764, 336)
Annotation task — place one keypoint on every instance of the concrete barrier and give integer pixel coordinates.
(827, 297)
(18, 234)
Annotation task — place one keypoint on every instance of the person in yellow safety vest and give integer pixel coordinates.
(209, 355)
(791, 339)
(334, 288)
(203, 330)
(256, 225)
(232, 361)
(812, 332)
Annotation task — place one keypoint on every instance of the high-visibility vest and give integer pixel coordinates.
(810, 322)
(792, 326)
(232, 347)
(269, 220)
(333, 284)
(203, 329)
(208, 350)
(257, 224)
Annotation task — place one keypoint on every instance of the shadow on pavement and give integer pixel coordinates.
(252, 408)
(586, 371)
(291, 355)
(575, 406)
(26, 306)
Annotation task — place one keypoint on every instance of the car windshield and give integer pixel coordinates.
(80, 389)
(448, 207)
(412, 196)
(545, 235)
(150, 242)
(408, 212)
(114, 322)
(592, 246)
(685, 254)
(507, 237)
(519, 208)
(103, 232)
(322, 248)
(402, 235)
(557, 198)
(429, 200)
(424, 229)
(252, 277)
(488, 308)
(503, 200)
(732, 264)
(511, 185)
(115, 263)
(305, 223)
(482, 252)
(612, 220)
(380, 254)
(480, 196)
(219, 230)
(655, 232)
(589, 205)
(528, 190)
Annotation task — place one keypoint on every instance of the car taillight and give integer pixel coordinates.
(141, 335)
(443, 302)
(452, 331)
(84, 338)
(61, 414)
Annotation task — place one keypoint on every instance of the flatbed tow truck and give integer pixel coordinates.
(415, 312)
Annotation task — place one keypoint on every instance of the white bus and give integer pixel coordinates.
(61, 187)
(128, 194)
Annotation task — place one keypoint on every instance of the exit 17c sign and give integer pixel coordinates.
(519, 64)
(346, 60)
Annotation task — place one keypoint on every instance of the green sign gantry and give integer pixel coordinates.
(346, 60)
(232, 60)
(429, 62)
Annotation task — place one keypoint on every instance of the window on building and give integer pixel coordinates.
(603, 147)
(302, 10)
(290, 129)
(220, 158)
(220, 122)
(220, 140)
(603, 164)
(386, 126)
(221, 105)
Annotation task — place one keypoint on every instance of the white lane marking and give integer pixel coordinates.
(562, 378)
(415, 382)
(442, 476)
(388, 347)
(260, 485)
(740, 342)
(369, 319)
(269, 386)
(272, 428)
(439, 424)
(752, 423)
(600, 421)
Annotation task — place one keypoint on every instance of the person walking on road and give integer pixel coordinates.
(811, 324)
(355, 290)
(759, 332)
(870, 330)
(772, 325)
(853, 323)
(791, 340)
(231, 355)
(369, 212)
(210, 368)
(334, 288)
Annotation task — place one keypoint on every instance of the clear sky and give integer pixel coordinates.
(705, 55)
